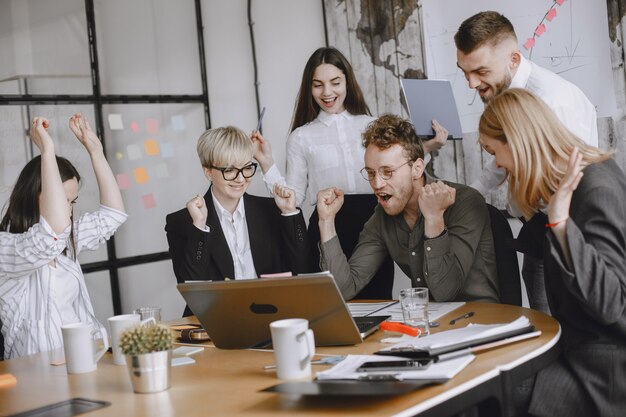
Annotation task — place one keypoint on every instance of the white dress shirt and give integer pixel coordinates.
(235, 228)
(65, 291)
(327, 152)
(565, 99)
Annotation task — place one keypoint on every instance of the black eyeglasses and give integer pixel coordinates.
(384, 172)
(231, 173)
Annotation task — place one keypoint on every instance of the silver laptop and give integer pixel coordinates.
(237, 314)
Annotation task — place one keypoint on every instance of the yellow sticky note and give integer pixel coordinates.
(141, 175)
(151, 146)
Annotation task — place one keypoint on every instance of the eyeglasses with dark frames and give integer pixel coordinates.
(383, 172)
(231, 173)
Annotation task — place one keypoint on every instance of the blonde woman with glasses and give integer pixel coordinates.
(228, 233)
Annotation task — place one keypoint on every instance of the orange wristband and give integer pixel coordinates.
(556, 223)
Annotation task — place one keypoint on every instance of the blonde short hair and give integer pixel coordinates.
(223, 147)
(540, 145)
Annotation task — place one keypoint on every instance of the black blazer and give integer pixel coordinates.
(278, 243)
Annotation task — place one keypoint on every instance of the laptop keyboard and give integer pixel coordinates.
(367, 324)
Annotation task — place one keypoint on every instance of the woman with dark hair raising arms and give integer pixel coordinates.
(325, 150)
(582, 190)
(42, 286)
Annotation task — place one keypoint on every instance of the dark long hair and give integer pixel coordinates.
(306, 107)
(23, 207)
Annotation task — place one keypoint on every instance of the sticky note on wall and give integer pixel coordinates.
(167, 150)
(115, 121)
(123, 181)
(151, 147)
(133, 151)
(148, 201)
(141, 175)
(161, 170)
(152, 126)
(178, 122)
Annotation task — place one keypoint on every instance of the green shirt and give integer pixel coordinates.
(459, 265)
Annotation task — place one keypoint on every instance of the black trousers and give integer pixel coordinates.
(356, 210)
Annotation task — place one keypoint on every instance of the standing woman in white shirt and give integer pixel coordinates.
(325, 149)
(42, 286)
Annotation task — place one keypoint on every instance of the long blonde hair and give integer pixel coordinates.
(540, 145)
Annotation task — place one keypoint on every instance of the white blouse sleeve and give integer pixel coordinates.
(297, 167)
(92, 229)
(23, 253)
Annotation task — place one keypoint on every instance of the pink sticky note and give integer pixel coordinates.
(148, 201)
(551, 15)
(560, 2)
(530, 42)
(134, 126)
(152, 126)
(541, 29)
(123, 181)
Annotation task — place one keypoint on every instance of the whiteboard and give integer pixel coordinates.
(575, 45)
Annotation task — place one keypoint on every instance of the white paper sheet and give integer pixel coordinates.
(346, 369)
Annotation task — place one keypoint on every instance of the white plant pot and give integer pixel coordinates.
(150, 372)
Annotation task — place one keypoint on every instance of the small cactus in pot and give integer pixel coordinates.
(145, 339)
(149, 355)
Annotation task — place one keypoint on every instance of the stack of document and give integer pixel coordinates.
(453, 343)
(437, 372)
(393, 309)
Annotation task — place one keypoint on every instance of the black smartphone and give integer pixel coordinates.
(401, 365)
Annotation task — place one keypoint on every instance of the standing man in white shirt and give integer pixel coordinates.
(489, 56)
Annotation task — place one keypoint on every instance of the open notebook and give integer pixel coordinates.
(237, 314)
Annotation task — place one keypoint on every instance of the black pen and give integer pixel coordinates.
(464, 316)
(260, 122)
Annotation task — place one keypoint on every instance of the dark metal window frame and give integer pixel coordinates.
(113, 263)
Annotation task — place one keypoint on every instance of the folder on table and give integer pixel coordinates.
(432, 99)
(458, 342)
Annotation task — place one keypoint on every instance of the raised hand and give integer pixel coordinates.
(285, 198)
(558, 207)
(435, 198)
(440, 139)
(39, 135)
(83, 132)
(262, 150)
(198, 211)
(329, 201)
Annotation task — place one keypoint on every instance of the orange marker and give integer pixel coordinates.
(394, 326)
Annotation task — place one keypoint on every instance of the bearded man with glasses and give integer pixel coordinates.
(437, 232)
(228, 233)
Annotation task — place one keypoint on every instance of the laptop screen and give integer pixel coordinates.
(237, 314)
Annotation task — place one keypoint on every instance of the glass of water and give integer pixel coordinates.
(414, 303)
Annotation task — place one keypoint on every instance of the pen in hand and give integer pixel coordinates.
(464, 316)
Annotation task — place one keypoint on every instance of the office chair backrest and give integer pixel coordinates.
(506, 258)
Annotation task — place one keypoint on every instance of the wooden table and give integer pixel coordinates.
(227, 382)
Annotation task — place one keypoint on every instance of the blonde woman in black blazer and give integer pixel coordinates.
(268, 234)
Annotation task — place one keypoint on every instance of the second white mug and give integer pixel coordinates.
(119, 324)
(294, 347)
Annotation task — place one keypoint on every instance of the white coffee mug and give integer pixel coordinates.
(294, 347)
(117, 326)
(80, 349)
